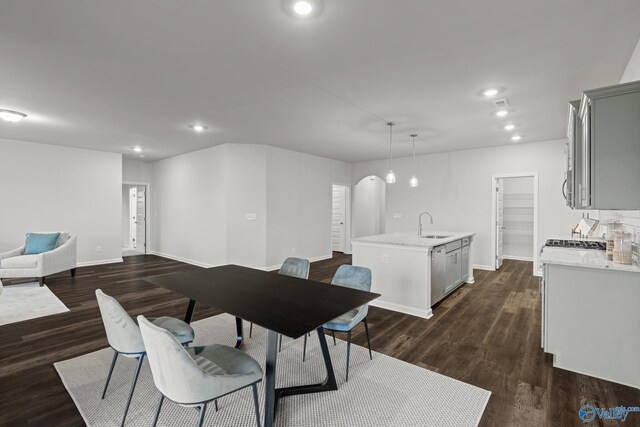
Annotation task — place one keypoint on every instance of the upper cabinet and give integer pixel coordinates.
(603, 153)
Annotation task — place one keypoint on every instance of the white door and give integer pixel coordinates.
(133, 197)
(338, 218)
(499, 222)
(141, 219)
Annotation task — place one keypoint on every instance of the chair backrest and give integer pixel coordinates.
(352, 276)
(175, 373)
(295, 267)
(122, 332)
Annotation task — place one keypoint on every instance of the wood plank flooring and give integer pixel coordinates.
(486, 334)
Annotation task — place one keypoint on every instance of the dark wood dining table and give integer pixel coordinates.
(281, 304)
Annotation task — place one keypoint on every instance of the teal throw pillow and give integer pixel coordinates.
(39, 243)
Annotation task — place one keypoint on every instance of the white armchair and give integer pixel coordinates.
(63, 257)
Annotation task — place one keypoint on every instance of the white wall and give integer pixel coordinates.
(54, 188)
(190, 207)
(201, 202)
(135, 171)
(456, 188)
(299, 196)
(632, 72)
(369, 207)
(246, 195)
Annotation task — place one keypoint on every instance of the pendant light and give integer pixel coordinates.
(391, 177)
(413, 182)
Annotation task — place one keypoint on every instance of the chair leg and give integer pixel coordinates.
(333, 333)
(113, 364)
(366, 329)
(155, 419)
(73, 272)
(304, 348)
(41, 281)
(133, 387)
(256, 404)
(250, 329)
(348, 352)
(280, 349)
(203, 410)
(215, 403)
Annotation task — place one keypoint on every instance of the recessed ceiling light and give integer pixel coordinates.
(137, 149)
(302, 8)
(516, 138)
(198, 128)
(12, 116)
(501, 113)
(490, 92)
(509, 127)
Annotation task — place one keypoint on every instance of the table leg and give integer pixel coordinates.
(270, 396)
(190, 307)
(239, 333)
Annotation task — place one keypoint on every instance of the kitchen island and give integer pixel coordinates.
(401, 267)
(590, 317)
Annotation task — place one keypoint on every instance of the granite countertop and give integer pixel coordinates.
(411, 239)
(589, 258)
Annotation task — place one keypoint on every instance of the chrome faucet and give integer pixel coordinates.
(420, 222)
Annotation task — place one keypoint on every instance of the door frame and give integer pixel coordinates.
(347, 217)
(494, 183)
(133, 215)
(148, 220)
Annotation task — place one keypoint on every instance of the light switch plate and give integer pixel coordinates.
(250, 217)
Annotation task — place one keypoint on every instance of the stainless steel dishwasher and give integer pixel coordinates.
(438, 273)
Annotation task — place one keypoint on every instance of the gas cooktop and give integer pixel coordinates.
(578, 244)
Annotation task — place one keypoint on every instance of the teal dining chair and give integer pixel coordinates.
(294, 267)
(354, 277)
(123, 335)
(195, 376)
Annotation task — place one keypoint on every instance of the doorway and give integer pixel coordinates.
(134, 219)
(369, 207)
(515, 218)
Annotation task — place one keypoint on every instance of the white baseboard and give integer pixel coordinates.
(518, 258)
(181, 259)
(318, 258)
(425, 314)
(100, 262)
(484, 267)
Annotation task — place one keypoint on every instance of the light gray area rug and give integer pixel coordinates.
(380, 392)
(28, 301)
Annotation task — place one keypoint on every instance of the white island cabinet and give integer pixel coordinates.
(590, 316)
(401, 267)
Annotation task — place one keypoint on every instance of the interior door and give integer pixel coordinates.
(499, 222)
(141, 219)
(338, 218)
(133, 197)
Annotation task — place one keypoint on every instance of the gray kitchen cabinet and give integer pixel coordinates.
(453, 268)
(608, 148)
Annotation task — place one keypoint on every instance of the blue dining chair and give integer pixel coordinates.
(124, 337)
(195, 376)
(294, 267)
(354, 277)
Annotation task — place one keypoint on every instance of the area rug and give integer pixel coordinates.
(28, 301)
(380, 392)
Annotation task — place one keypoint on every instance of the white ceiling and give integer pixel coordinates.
(109, 75)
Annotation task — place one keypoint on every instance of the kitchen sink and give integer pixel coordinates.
(434, 236)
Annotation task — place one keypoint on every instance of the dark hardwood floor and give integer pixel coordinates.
(486, 334)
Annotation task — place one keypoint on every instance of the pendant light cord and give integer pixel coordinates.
(414, 154)
(390, 124)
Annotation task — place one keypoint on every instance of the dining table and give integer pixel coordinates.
(281, 304)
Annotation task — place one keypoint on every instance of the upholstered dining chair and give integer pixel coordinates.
(194, 376)
(294, 267)
(354, 277)
(125, 338)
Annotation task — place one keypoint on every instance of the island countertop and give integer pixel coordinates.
(411, 239)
